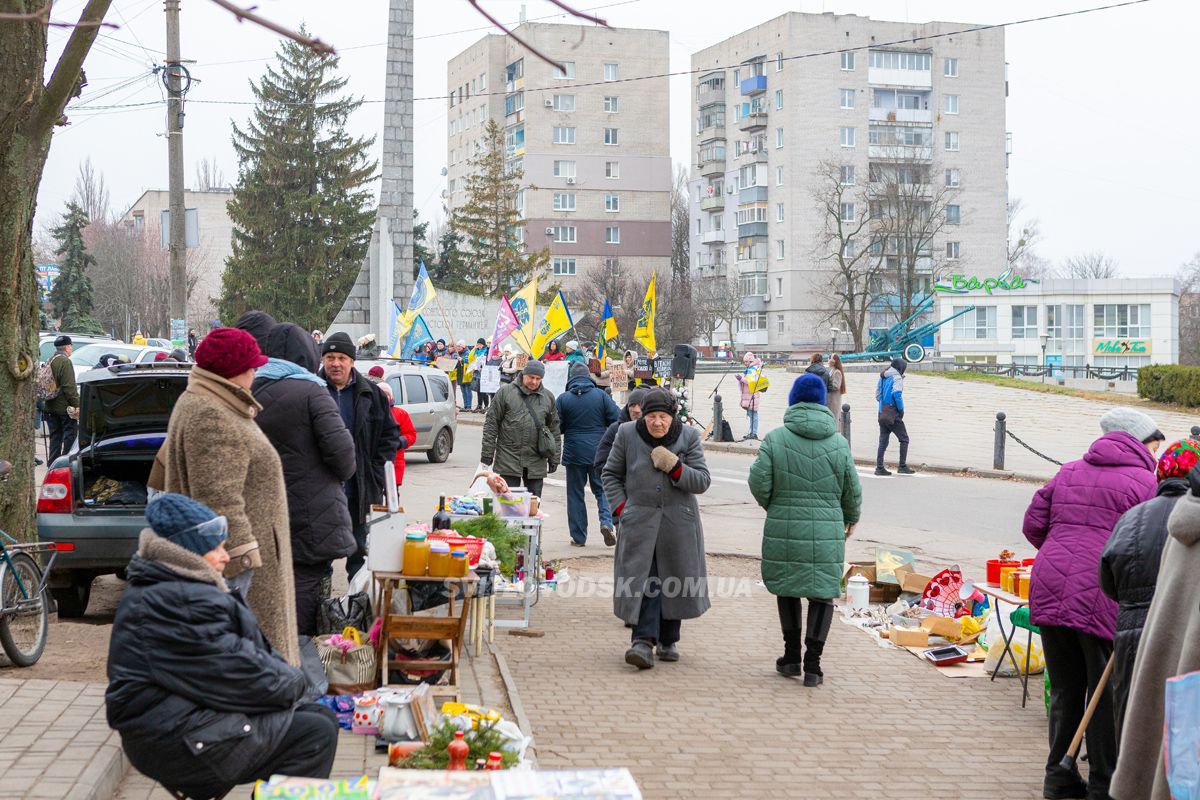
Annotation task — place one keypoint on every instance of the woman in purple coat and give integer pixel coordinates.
(1069, 522)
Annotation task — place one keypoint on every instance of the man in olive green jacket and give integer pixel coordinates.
(512, 441)
(805, 478)
(62, 410)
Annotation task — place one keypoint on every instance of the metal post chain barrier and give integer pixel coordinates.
(998, 445)
(846, 423)
(718, 417)
(1196, 430)
(1017, 439)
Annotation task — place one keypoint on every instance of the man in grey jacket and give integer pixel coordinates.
(513, 442)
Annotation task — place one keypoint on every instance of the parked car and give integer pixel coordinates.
(85, 358)
(425, 393)
(46, 341)
(92, 502)
(165, 344)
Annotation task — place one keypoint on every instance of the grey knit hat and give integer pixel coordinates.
(535, 368)
(1131, 421)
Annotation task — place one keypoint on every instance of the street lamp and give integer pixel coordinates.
(1045, 337)
(833, 334)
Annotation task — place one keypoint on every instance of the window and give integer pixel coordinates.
(847, 212)
(567, 72)
(778, 138)
(953, 215)
(953, 178)
(414, 389)
(847, 98)
(1024, 322)
(612, 169)
(779, 287)
(564, 201)
(473, 91)
(610, 72)
(951, 140)
(779, 323)
(896, 59)
(748, 215)
(1121, 321)
(440, 387)
(778, 99)
(1065, 322)
(779, 212)
(950, 67)
(564, 233)
(847, 137)
(848, 249)
(612, 235)
(950, 104)
(564, 102)
(779, 249)
(612, 202)
(516, 102)
(848, 62)
(564, 266)
(779, 176)
(563, 135)
(564, 169)
(953, 251)
(610, 105)
(755, 321)
(846, 175)
(977, 324)
(779, 62)
(610, 136)
(483, 82)
(613, 265)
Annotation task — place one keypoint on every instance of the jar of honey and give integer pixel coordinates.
(416, 555)
(460, 565)
(439, 560)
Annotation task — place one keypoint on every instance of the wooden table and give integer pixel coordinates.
(996, 593)
(425, 628)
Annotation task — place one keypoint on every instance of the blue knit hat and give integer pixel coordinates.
(186, 522)
(808, 388)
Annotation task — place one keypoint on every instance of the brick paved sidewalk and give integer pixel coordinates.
(721, 723)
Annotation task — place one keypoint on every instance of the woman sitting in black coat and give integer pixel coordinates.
(201, 700)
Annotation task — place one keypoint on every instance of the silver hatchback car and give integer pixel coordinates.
(426, 394)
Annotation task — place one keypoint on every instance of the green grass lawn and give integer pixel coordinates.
(1053, 388)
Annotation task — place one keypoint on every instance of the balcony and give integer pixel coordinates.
(900, 152)
(915, 78)
(715, 202)
(707, 97)
(751, 266)
(713, 237)
(756, 156)
(752, 194)
(745, 339)
(713, 266)
(710, 132)
(753, 121)
(752, 229)
(755, 84)
(901, 115)
(711, 167)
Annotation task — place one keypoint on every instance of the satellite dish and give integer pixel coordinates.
(444, 171)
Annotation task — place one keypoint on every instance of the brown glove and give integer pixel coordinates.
(663, 459)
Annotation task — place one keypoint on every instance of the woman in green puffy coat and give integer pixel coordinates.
(804, 477)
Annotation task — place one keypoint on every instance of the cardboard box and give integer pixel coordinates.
(909, 637)
(884, 593)
(942, 626)
(911, 581)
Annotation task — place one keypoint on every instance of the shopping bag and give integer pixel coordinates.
(349, 671)
(1181, 730)
(348, 611)
(993, 640)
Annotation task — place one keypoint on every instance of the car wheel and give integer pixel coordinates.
(443, 443)
(72, 601)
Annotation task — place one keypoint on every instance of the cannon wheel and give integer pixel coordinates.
(914, 353)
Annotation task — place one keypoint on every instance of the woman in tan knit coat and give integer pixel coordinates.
(216, 454)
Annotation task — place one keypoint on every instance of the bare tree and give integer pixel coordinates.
(1189, 311)
(676, 320)
(623, 290)
(720, 298)
(1092, 264)
(844, 245)
(1024, 233)
(90, 192)
(209, 176)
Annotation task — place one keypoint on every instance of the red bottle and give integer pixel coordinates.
(494, 761)
(458, 750)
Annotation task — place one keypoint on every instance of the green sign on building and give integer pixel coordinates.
(1006, 281)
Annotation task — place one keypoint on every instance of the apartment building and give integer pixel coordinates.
(771, 123)
(592, 140)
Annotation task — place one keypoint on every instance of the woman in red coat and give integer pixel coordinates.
(408, 434)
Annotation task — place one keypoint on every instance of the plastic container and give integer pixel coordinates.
(459, 565)
(416, 555)
(439, 560)
(471, 545)
(515, 504)
(1027, 562)
(858, 593)
(385, 550)
(993, 569)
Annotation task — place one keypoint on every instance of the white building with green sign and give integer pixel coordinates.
(1114, 322)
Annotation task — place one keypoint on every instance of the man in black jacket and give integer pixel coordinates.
(368, 415)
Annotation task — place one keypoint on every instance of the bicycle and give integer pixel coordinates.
(24, 603)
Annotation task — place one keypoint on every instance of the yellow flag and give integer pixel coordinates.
(645, 323)
(524, 306)
(556, 322)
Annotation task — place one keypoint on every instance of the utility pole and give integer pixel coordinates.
(177, 246)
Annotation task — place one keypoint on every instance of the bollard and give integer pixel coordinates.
(1196, 430)
(998, 452)
(846, 422)
(718, 416)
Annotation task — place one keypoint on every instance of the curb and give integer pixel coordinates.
(514, 702)
(472, 418)
(104, 772)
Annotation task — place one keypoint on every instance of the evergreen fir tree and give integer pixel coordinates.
(72, 291)
(490, 224)
(301, 207)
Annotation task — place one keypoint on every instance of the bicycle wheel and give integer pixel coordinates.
(25, 618)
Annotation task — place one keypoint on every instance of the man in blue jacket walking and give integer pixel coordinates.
(890, 394)
(584, 412)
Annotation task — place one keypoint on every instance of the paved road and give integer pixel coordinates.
(946, 519)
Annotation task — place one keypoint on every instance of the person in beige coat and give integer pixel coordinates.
(215, 453)
(1170, 646)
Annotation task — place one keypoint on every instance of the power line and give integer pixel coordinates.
(696, 70)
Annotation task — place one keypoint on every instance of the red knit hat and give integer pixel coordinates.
(229, 352)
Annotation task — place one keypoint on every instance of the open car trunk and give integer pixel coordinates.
(113, 474)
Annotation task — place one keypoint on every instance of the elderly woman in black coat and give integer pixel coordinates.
(652, 476)
(201, 700)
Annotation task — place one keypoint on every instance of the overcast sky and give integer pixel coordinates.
(1097, 107)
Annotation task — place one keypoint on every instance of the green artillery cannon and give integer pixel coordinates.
(898, 340)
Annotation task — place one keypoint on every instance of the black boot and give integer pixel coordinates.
(812, 662)
(789, 621)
